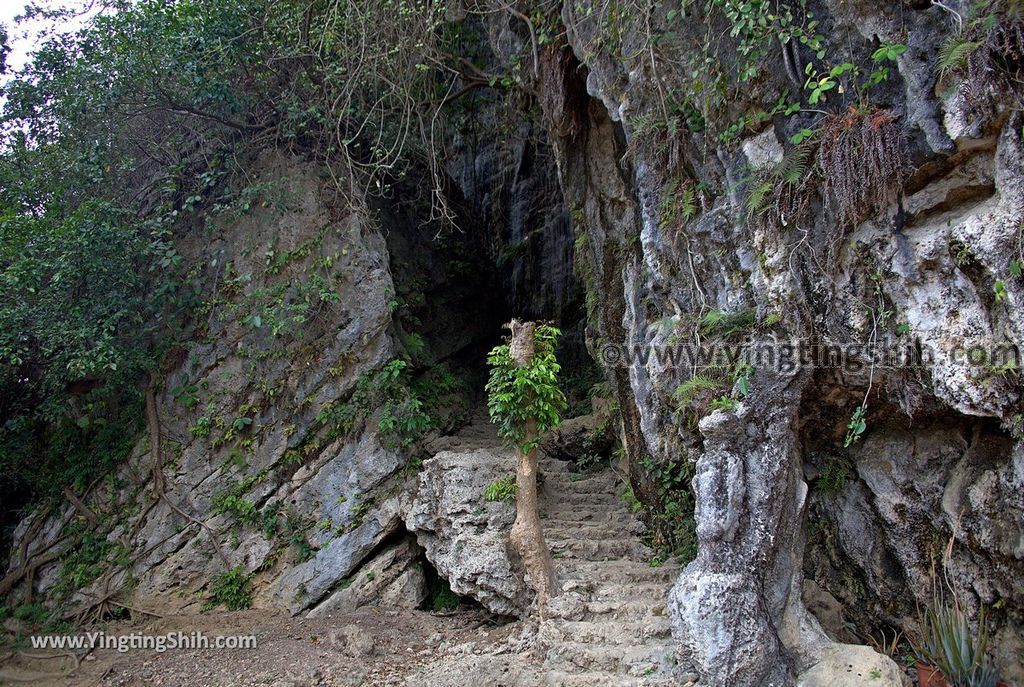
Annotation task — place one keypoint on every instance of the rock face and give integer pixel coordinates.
(393, 578)
(667, 236)
(278, 458)
(466, 537)
(584, 436)
(511, 183)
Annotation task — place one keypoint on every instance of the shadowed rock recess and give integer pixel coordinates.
(743, 492)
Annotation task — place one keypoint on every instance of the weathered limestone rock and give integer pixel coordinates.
(464, 536)
(848, 665)
(392, 578)
(244, 452)
(737, 609)
(578, 437)
(934, 271)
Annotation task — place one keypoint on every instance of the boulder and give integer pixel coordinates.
(393, 578)
(850, 665)
(464, 536)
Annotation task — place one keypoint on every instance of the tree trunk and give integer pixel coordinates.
(527, 535)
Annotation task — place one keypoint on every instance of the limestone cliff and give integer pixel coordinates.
(679, 184)
(668, 233)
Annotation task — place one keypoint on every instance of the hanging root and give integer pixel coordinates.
(153, 421)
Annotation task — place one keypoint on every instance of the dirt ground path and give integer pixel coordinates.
(371, 647)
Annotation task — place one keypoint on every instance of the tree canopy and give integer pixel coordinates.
(121, 137)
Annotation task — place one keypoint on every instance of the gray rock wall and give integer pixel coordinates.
(924, 275)
(250, 458)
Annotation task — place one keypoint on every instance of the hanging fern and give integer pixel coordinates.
(686, 392)
(794, 166)
(772, 189)
(758, 193)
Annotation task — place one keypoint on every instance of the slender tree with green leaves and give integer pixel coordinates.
(524, 401)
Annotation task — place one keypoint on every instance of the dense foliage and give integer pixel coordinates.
(518, 395)
(122, 137)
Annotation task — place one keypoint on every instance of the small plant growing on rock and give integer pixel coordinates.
(503, 489)
(987, 52)
(779, 195)
(674, 527)
(695, 396)
(948, 650)
(231, 589)
(726, 403)
(856, 427)
(725, 323)
(833, 476)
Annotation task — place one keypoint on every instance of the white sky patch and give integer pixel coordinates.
(25, 37)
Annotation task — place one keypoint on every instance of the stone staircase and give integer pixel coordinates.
(609, 625)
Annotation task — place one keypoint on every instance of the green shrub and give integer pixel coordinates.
(590, 462)
(231, 501)
(231, 589)
(674, 529)
(90, 559)
(388, 389)
(503, 489)
(632, 503)
(201, 428)
(945, 640)
(34, 614)
(517, 395)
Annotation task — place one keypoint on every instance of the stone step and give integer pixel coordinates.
(631, 590)
(571, 474)
(554, 465)
(554, 473)
(622, 572)
(613, 658)
(617, 526)
(621, 636)
(607, 632)
(585, 514)
(561, 678)
(564, 499)
(595, 485)
(560, 529)
(567, 546)
(621, 609)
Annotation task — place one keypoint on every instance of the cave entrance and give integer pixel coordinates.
(511, 256)
(439, 597)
